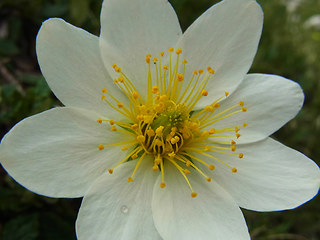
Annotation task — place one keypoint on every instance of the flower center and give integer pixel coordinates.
(165, 125)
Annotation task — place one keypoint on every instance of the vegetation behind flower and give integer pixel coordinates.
(287, 48)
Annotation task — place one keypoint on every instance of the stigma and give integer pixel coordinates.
(165, 124)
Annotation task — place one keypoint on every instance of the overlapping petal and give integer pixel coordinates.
(213, 214)
(71, 63)
(55, 153)
(132, 29)
(271, 102)
(270, 176)
(225, 38)
(116, 209)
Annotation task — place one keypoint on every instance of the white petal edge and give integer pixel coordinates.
(271, 101)
(225, 38)
(55, 153)
(70, 61)
(116, 209)
(132, 29)
(213, 214)
(270, 176)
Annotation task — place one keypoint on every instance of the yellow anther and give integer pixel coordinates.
(186, 171)
(161, 54)
(236, 129)
(240, 155)
(130, 179)
(120, 105)
(195, 72)
(244, 124)
(141, 138)
(238, 135)
(172, 155)
(113, 128)
(147, 60)
(217, 105)
(155, 89)
(208, 179)
(134, 156)
(158, 142)
(148, 56)
(110, 170)
(174, 129)
(155, 59)
(134, 126)
(159, 131)
(233, 142)
(104, 90)
(179, 51)
(117, 69)
(211, 71)
(244, 109)
(226, 93)
(121, 79)
(241, 103)
(135, 95)
(194, 194)
(155, 168)
(115, 80)
(150, 132)
(200, 71)
(140, 117)
(165, 67)
(188, 163)
(99, 120)
(101, 146)
(209, 108)
(103, 97)
(211, 167)
(204, 92)
(184, 61)
(180, 77)
(114, 65)
(233, 148)
(173, 141)
(170, 49)
(212, 131)
(162, 185)
(124, 148)
(234, 170)
(163, 98)
(112, 122)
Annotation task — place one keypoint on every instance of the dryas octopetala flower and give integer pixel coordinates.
(163, 133)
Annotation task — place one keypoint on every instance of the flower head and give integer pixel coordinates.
(164, 134)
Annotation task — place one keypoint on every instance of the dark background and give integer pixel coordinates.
(289, 47)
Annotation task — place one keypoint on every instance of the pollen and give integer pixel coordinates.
(164, 122)
(204, 92)
(101, 147)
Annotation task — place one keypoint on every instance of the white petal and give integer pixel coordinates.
(55, 153)
(132, 29)
(213, 214)
(116, 209)
(271, 101)
(270, 176)
(225, 38)
(70, 60)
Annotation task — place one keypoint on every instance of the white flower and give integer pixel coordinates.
(204, 133)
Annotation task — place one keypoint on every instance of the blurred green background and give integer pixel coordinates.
(290, 46)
